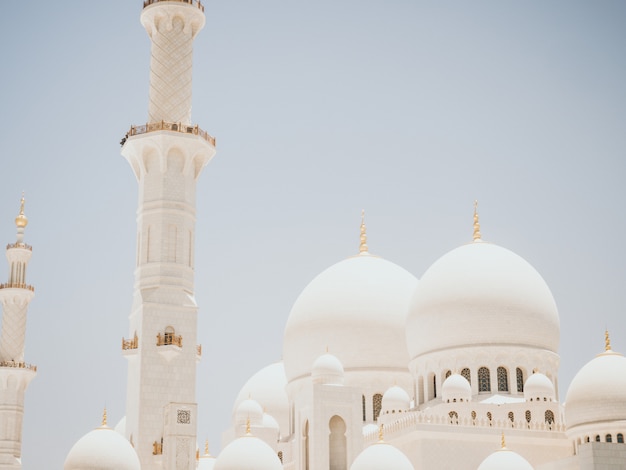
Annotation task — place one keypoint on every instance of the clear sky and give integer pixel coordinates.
(408, 109)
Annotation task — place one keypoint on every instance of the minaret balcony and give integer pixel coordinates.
(17, 285)
(18, 365)
(130, 346)
(169, 126)
(198, 352)
(23, 246)
(195, 3)
(169, 345)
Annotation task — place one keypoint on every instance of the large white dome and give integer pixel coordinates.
(381, 456)
(481, 294)
(505, 459)
(357, 309)
(102, 449)
(597, 394)
(247, 453)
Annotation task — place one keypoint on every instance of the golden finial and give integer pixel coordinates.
(381, 434)
(363, 250)
(607, 341)
(206, 447)
(503, 441)
(248, 426)
(21, 220)
(477, 236)
(104, 417)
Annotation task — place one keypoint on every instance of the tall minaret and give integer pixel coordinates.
(166, 155)
(15, 374)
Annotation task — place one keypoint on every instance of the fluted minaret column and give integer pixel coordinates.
(167, 156)
(15, 374)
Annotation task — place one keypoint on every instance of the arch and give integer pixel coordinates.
(447, 374)
(587, 439)
(511, 417)
(489, 416)
(168, 337)
(620, 438)
(280, 456)
(597, 438)
(549, 417)
(454, 417)
(364, 413)
(528, 416)
(608, 438)
(377, 404)
(484, 380)
(503, 379)
(519, 374)
(473, 415)
(337, 444)
(465, 372)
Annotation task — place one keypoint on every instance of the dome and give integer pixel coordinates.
(120, 427)
(102, 449)
(370, 429)
(395, 400)
(351, 307)
(270, 423)
(206, 463)
(247, 453)
(327, 369)
(381, 456)
(456, 388)
(249, 410)
(481, 294)
(505, 458)
(538, 387)
(597, 393)
(267, 387)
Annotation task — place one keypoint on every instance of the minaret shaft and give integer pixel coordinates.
(166, 158)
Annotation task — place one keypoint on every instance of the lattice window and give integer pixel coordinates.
(511, 417)
(608, 438)
(448, 374)
(364, 414)
(528, 416)
(183, 416)
(473, 415)
(549, 416)
(489, 415)
(484, 381)
(503, 379)
(466, 373)
(454, 417)
(434, 386)
(280, 456)
(377, 402)
(620, 438)
(520, 380)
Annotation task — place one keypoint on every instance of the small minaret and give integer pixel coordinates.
(166, 155)
(15, 374)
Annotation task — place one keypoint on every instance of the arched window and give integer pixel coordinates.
(528, 416)
(454, 417)
(484, 382)
(377, 402)
(511, 417)
(473, 415)
(448, 374)
(489, 415)
(364, 414)
(503, 380)
(337, 456)
(620, 438)
(597, 438)
(169, 335)
(549, 417)
(280, 456)
(466, 373)
(587, 439)
(608, 438)
(434, 386)
(520, 380)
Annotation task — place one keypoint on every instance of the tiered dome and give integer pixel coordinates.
(456, 388)
(597, 394)
(395, 400)
(350, 307)
(249, 411)
(327, 369)
(481, 294)
(538, 387)
(102, 449)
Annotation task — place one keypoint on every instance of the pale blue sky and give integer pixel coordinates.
(408, 109)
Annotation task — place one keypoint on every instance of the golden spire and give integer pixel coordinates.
(607, 341)
(363, 250)
(104, 417)
(503, 441)
(248, 433)
(21, 220)
(477, 236)
(381, 435)
(206, 447)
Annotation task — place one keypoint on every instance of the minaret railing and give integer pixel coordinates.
(17, 285)
(24, 246)
(196, 3)
(169, 339)
(18, 365)
(169, 126)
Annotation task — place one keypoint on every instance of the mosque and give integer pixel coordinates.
(380, 370)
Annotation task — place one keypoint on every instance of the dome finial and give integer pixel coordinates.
(21, 220)
(206, 447)
(363, 250)
(477, 236)
(607, 340)
(248, 433)
(381, 434)
(503, 443)
(104, 417)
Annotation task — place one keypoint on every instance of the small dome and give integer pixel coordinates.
(370, 428)
(505, 459)
(267, 386)
(206, 463)
(327, 369)
(120, 427)
(538, 387)
(597, 394)
(102, 449)
(456, 388)
(248, 453)
(270, 423)
(395, 400)
(350, 308)
(381, 456)
(480, 294)
(249, 410)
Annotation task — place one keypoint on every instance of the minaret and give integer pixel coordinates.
(15, 374)
(167, 155)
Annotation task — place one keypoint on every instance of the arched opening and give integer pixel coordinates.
(549, 417)
(467, 374)
(454, 417)
(448, 374)
(377, 404)
(620, 438)
(364, 413)
(608, 438)
(503, 379)
(169, 335)
(511, 417)
(484, 381)
(597, 438)
(337, 445)
(528, 416)
(519, 373)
